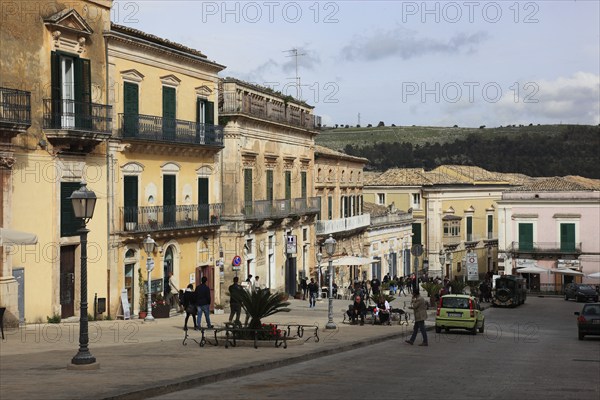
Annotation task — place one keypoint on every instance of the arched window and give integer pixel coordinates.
(167, 267)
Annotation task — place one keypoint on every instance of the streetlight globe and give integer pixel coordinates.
(330, 245)
(84, 202)
(442, 257)
(149, 244)
(319, 257)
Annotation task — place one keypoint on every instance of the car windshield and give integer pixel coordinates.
(504, 284)
(455, 302)
(586, 287)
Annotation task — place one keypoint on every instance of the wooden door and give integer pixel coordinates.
(67, 281)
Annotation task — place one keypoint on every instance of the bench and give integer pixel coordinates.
(203, 339)
(230, 333)
(396, 314)
(300, 328)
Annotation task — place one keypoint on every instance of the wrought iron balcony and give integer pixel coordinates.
(77, 116)
(545, 248)
(342, 224)
(154, 128)
(155, 218)
(262, 107)
(275, 209)
(15, 109)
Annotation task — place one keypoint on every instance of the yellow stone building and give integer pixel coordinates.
(269, 202)
(165, 166)
(55, 122)
(454, 210)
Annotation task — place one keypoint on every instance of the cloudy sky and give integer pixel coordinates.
(468, 63)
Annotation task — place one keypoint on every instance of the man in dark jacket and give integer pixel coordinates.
(236, 307)
(203, 302)
(359, 309)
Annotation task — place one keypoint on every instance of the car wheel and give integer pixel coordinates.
(438, 329)
(566, 297)
(581, 335)
(578, 299)
(447, 330)
(473, 330)
(481, 328)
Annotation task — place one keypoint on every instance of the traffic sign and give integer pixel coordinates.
(237, 261)
(417, 250)
(291, 244)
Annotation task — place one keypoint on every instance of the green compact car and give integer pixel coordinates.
(459, 311)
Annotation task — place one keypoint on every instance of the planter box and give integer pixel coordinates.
(161, 311)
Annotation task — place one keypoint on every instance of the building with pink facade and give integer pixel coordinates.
(552, 224)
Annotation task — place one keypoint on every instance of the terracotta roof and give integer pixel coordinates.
(560, 184)
(376, 210)
(156, 40)
(400, 177)
(325, 151)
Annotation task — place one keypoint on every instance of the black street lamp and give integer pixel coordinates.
(319, 259)
(84, 202)
(149, 244)
(330, 245)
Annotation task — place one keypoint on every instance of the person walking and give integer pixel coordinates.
(172, 294)
(203, 302)
(304, 287)
(420, 309)
(189, 305)
(236, 306)
(313, 289)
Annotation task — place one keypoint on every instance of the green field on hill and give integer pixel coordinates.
(338, 138)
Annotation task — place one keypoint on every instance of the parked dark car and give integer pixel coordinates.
(580, 292)
(588, 320)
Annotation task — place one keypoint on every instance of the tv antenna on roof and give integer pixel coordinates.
(294, 53)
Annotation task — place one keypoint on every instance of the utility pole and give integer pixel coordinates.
(358, 119)
(294, 53)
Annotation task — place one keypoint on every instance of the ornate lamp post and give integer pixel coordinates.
(442, 258)
(84, 202)
(149, 244)
(330, 244)
(319, 259)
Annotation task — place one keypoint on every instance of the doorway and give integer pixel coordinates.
(67, 281)
(208, 272)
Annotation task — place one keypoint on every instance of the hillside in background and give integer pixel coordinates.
(542, 150)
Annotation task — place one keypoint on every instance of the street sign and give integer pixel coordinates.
(291, 244)
(417, 250)
(472, 267)
(237, 261)
(150, 264)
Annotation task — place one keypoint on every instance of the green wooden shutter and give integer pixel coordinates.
(83, 94)
(209, 117)
(567, 237)
(56, 84)
(490, 226)
(69, 225)
(270, 184)
(469, 228)
(169, 112)
(169, 196)
(288, 185)
(416, 230)
(130, 199)
(330, 207)
(203, 206)
(342, 202)
(130, 109)
(248, 191)
(303, 189)
(526, 236)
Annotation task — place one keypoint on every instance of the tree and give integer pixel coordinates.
(380, 124)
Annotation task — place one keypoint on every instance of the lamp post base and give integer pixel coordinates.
(330, 325)
(83, 358)
(149, 318)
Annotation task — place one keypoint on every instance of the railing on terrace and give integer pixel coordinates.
(391, 219)
(266, 209)
(77, 116)
(15, 107)
(154, 218)
(154, 128)
(324, 227)
(239, 103)
(546, 247)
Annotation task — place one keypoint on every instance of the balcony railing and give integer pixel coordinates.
(154, 128)
(342, 224)
(268, 209)
(77, 116)
(15, 108)
(391, 219)
(546, 247)
(239, 103)
(154, 218)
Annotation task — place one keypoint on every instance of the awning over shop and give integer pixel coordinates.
(10, 236)
(566, 271)
(353, 260)
(532, 269)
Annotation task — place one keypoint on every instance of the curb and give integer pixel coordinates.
(247, 369)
